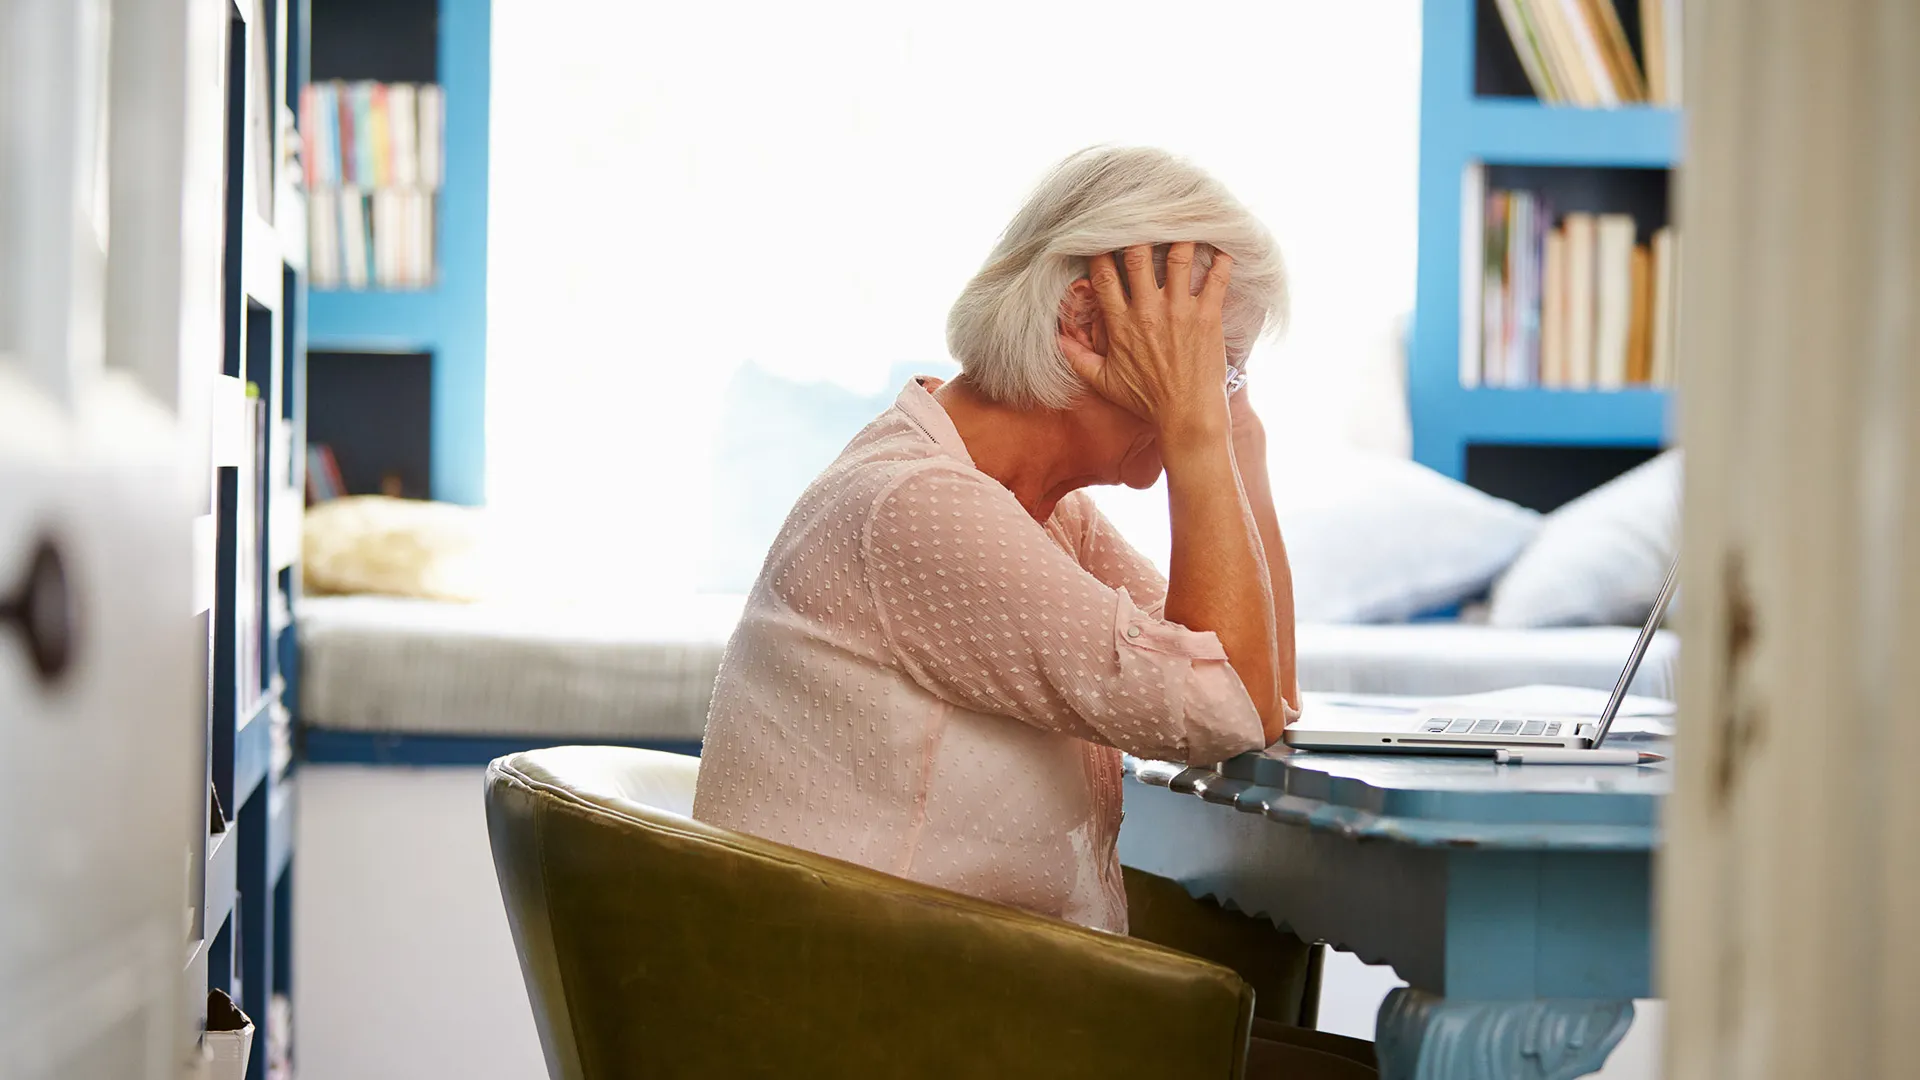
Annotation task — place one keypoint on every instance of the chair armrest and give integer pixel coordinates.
(734, 956)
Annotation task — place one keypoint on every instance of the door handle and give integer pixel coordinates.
(40, 610)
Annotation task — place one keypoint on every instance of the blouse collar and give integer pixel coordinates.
(916, 400)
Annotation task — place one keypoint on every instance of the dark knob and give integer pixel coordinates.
(41, 611)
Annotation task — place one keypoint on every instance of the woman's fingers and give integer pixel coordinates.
(1105, 277)
(1138, 260)
(1084, 361)
(1213, 295)
(1180, 273)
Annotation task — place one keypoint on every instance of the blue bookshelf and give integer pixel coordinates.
(1458, 129)
(241, 943)
(449, 320)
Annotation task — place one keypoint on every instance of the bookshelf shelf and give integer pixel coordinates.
(253, 750)
(376, 320)
(222, 876)
(1521, 132)
(1460, 129)
(262, 268)
(1631, 417)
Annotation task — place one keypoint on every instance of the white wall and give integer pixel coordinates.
(404, 966)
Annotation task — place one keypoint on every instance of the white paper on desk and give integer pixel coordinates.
(1538, 701)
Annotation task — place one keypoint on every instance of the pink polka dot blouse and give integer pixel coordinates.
(928, 682)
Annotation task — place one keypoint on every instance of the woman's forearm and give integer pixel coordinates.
(1252, 463)
(1217, 551)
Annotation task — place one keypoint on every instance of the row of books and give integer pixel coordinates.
(373, 135)
(359, 239)
(1574, 304)
(1576, 52)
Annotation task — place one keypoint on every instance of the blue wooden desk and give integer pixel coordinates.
(1516, 900)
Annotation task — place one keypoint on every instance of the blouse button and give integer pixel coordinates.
(1133, 631)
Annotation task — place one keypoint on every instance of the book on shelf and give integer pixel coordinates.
(1576, 52)
(1553, 311)
(1576, 288)
(1639, 345)
(1574, 303)
(323, 474)
(373, 169)
(1612, 299)
(1665, 285)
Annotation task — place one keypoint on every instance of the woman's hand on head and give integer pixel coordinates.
(1166, 358)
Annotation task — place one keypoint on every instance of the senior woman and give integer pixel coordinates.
(949, 648)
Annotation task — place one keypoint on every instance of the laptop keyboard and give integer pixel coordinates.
(1449, 726)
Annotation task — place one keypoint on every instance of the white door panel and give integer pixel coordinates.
(102, 807)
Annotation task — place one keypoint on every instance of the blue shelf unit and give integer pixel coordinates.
(243, 940)
(1459, 128)
(449, 320)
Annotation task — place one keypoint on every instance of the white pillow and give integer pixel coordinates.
(1599, 559)
(1369, 538)
(1378, 539)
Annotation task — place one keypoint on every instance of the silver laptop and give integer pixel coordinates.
(1427, 733)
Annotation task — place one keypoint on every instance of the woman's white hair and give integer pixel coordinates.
(1003, 330)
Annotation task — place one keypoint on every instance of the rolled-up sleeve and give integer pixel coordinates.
(982, 608)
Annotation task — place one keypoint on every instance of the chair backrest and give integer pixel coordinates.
(656, 945)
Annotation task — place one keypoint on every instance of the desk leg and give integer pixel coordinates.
(1424, 1037)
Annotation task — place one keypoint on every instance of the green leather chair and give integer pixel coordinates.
(654, 945)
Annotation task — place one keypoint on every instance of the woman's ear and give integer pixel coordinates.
(1080, 316)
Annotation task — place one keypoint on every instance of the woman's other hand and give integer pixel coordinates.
(1166, 358)
(1249, 434)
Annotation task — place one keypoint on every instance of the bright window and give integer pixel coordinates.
(681, 191)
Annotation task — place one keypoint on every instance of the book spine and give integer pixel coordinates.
(344, 135)
(1493, 338)
(1639, 338)
(1531, 61)
(1615, 301)
(1587, 39)
(310, 158)
(402, 117)
(1580, 300)
(1617, 52)
(382, 134)
(1519, 228)
(431, 102)
(1553, 312)
(1536, 273)
(1660, 364)
(1518, 205)
(363, 135)
(1562, 55)
(1653, 43)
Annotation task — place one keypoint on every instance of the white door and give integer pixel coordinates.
(102, 805)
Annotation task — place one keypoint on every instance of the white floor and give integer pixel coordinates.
(405, 969)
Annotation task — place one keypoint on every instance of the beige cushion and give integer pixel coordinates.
(398, 547)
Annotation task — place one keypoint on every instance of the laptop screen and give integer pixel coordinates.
(1639, 652)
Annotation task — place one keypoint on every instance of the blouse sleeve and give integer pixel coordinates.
(984, 610)
(1108, 555)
